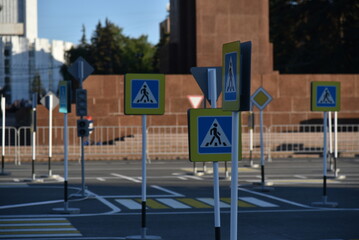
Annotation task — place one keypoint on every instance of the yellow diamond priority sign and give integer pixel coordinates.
(261, 98)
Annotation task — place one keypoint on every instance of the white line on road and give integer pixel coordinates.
(173, 203)
(174, 194)
(126, 177)
(130, 204)
(275, 198)
(257, 202)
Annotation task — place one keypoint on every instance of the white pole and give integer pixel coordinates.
(3, 125)
(330, 133)
(336, 135)
(212, 88)
(144, 176)
(262, 146)
(50, 133)
(65, 161)
(234, 176)
(325, 150)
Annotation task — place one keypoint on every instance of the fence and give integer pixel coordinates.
(170, 142)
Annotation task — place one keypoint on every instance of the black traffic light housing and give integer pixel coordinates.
(81, 102)
(83, 128)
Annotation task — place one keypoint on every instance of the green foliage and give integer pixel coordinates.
(315, 36)
(111, 52)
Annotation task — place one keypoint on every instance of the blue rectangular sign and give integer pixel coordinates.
(145, 94)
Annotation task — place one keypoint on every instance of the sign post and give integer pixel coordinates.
(261, 99)
(80, 70)
(144, 94)
(50, 101)
(3, 110)
(209, 80)
(325, 96)
(65, 108)
(236, 69)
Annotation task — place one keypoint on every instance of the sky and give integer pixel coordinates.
(63, 19)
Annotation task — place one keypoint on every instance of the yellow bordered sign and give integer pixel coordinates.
(325, 96)
(144, 94)
(231, 76)
(210, 135)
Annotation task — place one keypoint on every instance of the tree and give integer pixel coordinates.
(111, 52)
(318, 36)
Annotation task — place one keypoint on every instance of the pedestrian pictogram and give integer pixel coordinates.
(145, 95)
(215, 137)
(230, 90)
(231, 67)
(325, 96)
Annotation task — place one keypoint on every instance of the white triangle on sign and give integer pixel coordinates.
(326, 97)
(230, 81)
(145, 95)
(215, 137)
(195, 100)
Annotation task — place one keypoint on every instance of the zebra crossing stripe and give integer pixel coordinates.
(210, 201)
(240, 203)
(44, 227)
(194, 203)
(129, 203)
(258, 202)
(173, 203)
(188, 203)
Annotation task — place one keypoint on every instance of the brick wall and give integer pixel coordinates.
(290, 105)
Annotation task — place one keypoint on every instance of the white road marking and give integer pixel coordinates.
(101, 179)
(275, 198)
(257, 202)
(126, 177)
(130, 204)
(174, 194)
(210, 201)
(173, 203)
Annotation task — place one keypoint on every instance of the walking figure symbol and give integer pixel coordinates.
(215, 137)
(326, 97)
(144, 93)
(230, 82)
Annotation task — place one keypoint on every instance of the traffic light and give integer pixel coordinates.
(81, 102)
(83, 128)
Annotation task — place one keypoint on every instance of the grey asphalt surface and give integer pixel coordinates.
(284, 212)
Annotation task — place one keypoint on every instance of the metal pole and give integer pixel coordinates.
(3, 134)
(234, 176)
(66, 155)
(262, 146)
(212, 87)
(34, 103)
(335, 143)
(325, 151)
(330, 141)
(144, 177)
(50, 133)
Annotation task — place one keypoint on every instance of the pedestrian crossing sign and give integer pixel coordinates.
(325, 96)
(231, 76)
(210, 135)
(144, 94)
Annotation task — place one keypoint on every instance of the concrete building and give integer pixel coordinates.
(26, 62)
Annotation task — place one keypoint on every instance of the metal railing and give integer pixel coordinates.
(308, 139)
(169, 142)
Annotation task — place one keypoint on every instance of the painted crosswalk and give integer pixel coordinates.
(37, 227)
(192, 203)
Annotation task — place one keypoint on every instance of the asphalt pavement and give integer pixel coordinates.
(180, 202)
